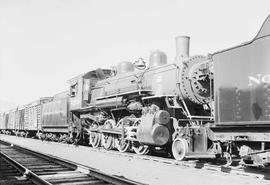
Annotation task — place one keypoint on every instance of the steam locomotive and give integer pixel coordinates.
(194, 107)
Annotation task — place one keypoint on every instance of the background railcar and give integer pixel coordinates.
(11, 119)
(32, 115)
(6, 120)
(2, 121)
(19, 121)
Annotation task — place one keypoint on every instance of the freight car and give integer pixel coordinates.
(33, 114)
(19, 120)
(194, 107)
(24, 120)
(11, 119)
(2, 121)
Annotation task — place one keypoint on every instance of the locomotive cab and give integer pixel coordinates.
(80, 87)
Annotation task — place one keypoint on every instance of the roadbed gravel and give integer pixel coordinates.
(144, 171)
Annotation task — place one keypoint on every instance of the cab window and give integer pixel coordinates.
(74, 90)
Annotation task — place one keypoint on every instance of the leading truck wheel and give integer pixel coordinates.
(179, 149)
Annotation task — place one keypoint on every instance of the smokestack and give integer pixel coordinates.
(182, 47)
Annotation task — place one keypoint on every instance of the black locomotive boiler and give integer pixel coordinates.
(147, 107)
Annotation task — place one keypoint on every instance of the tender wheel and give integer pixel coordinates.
(139, 148)
(107, 139)
(179, 149)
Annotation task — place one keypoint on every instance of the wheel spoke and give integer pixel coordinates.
(107, 139)
(95, 139)
(122, 146)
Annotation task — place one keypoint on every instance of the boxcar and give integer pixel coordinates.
(11, 119)
(2, 121)
(32, 114)
(19, 120)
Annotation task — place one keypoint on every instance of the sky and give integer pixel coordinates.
(43, 43)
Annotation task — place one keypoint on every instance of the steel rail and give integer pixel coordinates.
(72, 165)
(25, 171)
(251, 172)
(258, 174)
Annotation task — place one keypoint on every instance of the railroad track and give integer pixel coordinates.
(10, 175)
(29, 167)
(262, 173)
(259, 173)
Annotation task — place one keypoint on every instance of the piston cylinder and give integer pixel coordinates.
(160, 134)
(153, 129)
(162, 117)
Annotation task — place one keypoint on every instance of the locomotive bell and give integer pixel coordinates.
(140, 64)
